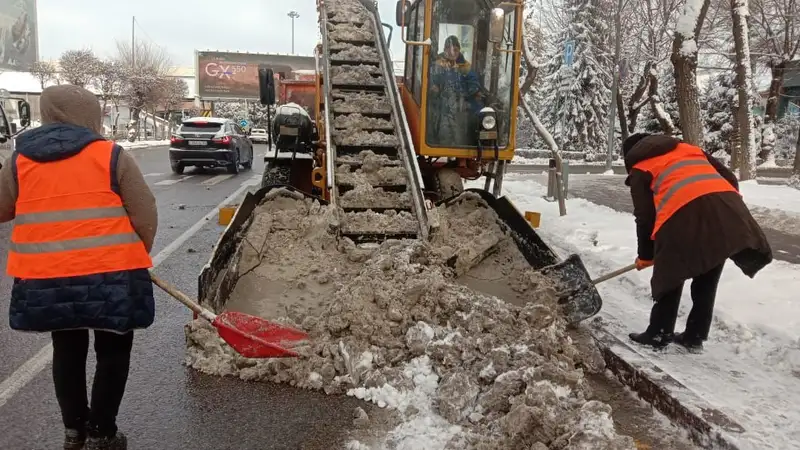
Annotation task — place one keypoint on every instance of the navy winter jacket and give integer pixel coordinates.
(115, 301)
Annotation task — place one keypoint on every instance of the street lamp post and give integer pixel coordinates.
(293, 15)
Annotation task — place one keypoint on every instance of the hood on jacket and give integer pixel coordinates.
(648, 147)
(54, 141)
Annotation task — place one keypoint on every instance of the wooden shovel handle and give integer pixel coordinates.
(613, 274)
(178, 295)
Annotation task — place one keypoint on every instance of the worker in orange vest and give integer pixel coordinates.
(84, 224)
(690, 218)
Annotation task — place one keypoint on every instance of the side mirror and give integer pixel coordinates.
(497, 25)
(399, 11)
(266, 86)
(24, 109)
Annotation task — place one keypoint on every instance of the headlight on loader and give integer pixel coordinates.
(489, 122)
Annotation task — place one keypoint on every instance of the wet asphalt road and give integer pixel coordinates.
(610, 191)
(168, 406)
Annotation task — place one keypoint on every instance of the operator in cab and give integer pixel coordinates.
(456, 100)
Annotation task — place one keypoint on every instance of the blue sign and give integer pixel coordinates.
(569, 53)
(243, 123)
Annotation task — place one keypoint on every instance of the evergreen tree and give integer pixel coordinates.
(579, 116)
(716, 102)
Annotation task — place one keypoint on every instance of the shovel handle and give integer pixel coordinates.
(613, 274)
(181, 297)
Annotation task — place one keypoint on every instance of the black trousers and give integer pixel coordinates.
(70, 349)
(704, 292)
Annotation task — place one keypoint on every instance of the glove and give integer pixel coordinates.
(642, 264)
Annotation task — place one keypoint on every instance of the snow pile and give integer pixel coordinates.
(360, 122)
(371, 173)
(461, 369)
(360, 102)
(365, 138)
(141, 144)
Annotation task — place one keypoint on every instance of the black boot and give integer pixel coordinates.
(657, 340)
(74, 439)
(692, 344)
(116, 442)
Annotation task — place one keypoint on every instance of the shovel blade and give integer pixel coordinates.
(577, 295)
(254, 337)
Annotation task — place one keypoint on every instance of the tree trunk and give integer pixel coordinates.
(736, 144)
(664, 120)
(744, 118)
(685, 62)
(635, 102)
(775, 85)
(623, 127)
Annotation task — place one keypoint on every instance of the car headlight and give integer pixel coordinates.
(488, 122)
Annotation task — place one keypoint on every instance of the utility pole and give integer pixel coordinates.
(293, 15)
(612, 112)
(133, 41)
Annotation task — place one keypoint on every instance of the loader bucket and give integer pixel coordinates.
(577, 295)
(213, 291)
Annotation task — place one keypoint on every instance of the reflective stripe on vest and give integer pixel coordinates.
(679, 177)
(69, 221)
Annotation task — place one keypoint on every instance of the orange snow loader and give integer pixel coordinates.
(412, 143)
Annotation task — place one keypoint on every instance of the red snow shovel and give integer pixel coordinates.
(250, 336)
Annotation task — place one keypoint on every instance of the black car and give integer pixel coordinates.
(210, 142)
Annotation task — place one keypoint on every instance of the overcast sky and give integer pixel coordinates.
(182, 26)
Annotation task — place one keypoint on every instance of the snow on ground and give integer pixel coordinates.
(773, 197)
(141, 144)
(750, 369)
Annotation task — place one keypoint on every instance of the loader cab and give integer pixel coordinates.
(460, 84)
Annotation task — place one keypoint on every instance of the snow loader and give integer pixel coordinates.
(382, 155)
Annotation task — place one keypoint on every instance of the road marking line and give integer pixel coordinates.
(216, 180)
(172, 181)
(28, 370)
(154, 174)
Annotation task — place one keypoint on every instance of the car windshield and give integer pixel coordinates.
(201, 127)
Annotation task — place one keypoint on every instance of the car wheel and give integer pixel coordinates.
(177, 168)
(249, 164)
(234, 166)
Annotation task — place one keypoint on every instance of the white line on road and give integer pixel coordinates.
(216, 180)
(154, 174)
(173, 181)
(28, 371)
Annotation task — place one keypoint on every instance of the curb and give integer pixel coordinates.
(709, 427)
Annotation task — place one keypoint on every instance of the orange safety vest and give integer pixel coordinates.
(69, 222)
(679, 177)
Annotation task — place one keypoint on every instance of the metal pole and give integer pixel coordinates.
(612, 112)
(133, 41)
(293, 15)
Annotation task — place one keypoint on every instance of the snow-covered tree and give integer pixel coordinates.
(109, 82)
(144, 72)
(79, 67)
(44, 71)
(684, 59)
(717, 102)
(661, 113)
(744, 80)
(775, 30)
(254, 112)
(174, 91)
(579, 114)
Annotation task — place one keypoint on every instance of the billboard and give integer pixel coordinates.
(231, 75)
(19, 41)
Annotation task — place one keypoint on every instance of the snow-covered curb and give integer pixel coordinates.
(141, 144)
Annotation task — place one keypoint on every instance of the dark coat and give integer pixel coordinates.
(699, 236)
(115, 301)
